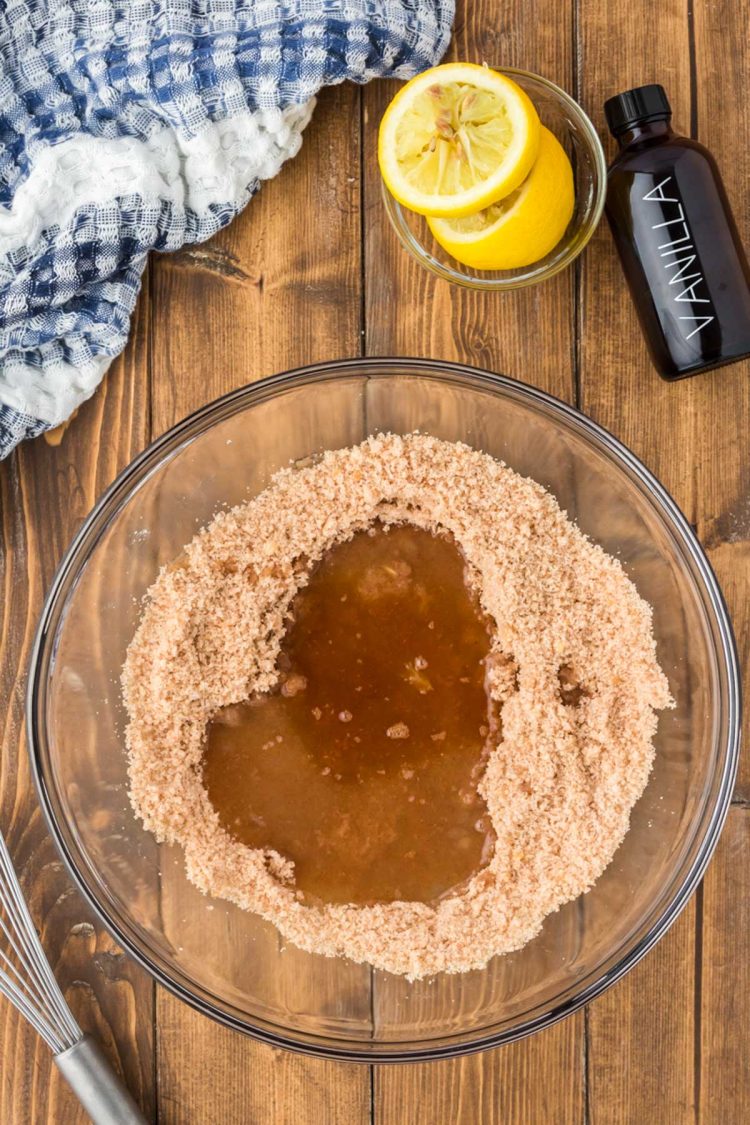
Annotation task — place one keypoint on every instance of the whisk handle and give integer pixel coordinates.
(99, 1090)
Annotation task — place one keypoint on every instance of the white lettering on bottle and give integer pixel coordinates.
(685, 264)
(702, 322)
(690, 297)
(674, 222)
(656, 195)
(671, 222)
(686, 237)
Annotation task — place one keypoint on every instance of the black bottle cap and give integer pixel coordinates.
(636, 107)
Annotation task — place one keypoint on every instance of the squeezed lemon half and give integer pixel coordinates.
(456, 139)
(523, 227)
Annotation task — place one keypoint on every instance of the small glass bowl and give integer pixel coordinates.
(565, 118)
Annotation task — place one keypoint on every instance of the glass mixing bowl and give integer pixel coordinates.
(230, 964)
(575, 132)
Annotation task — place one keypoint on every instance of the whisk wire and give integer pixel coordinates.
(39, 981)
(27, 984)
(37, 994)
(32, 1014)
(27, 980)
(23, 982)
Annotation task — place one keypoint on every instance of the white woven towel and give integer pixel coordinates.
(132, 125)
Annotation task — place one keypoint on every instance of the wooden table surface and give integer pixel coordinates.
(311, 271)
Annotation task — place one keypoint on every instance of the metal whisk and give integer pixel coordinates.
(27, 980)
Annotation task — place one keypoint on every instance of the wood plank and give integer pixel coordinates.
(272, 292)
(724, 1037)
(696, 434)
(46, 491)
(619, 386)
(534, 1082)
(641, 1033)
(641, 1038)
(209, 1075)
(722, 114)
(528, 334)
(279, 288)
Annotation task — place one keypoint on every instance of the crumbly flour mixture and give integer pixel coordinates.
(572, 662)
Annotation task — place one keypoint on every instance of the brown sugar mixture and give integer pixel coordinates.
(362, 765)
(508, 679)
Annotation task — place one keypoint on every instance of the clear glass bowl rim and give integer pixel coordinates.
(534, 273)
(713, 815)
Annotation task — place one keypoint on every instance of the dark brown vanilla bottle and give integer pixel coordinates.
(676, 238)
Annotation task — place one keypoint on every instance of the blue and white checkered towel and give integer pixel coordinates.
(132, 125)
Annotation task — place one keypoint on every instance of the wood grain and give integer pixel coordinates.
(644, 1058)
(641, 1038)
(279, 288)
(45, 493)
(534, 1082)
(284, 286)
(528, 334)
(724, 1087)
(209, 1075)
(722, 117)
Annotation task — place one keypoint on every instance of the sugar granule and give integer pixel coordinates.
(572, 663)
